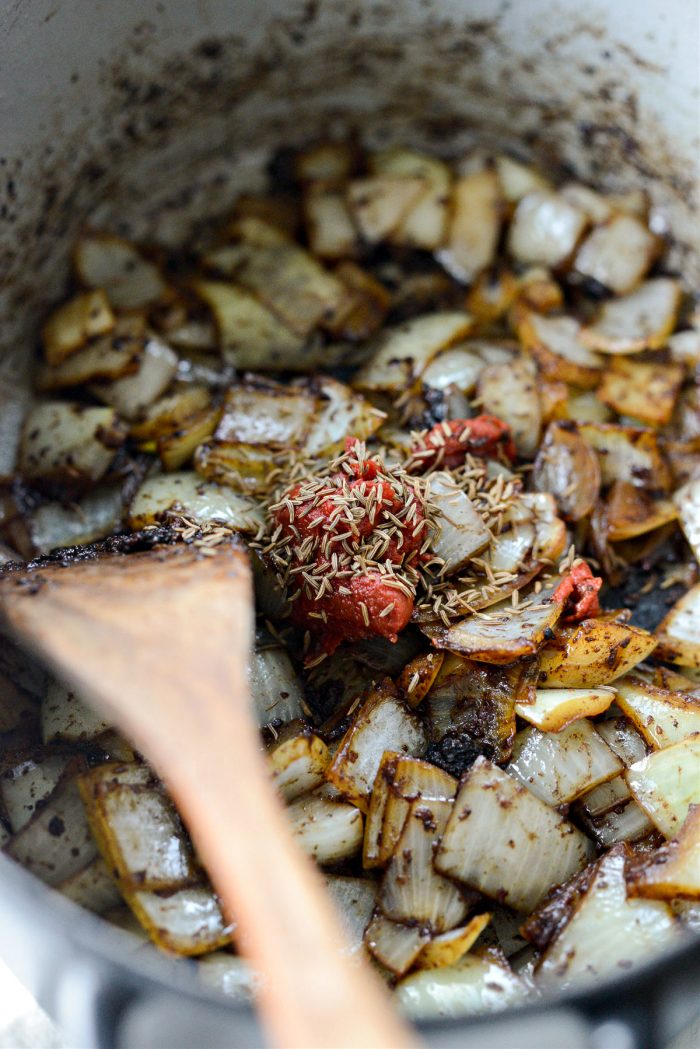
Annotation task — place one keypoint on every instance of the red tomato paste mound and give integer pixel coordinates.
(578, 592)
(351, 542)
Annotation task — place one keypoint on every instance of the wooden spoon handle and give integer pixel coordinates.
(312, 995)
(160, 642)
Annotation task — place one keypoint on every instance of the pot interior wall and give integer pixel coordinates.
(143, 117)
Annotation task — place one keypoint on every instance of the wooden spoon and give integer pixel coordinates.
(159, 641)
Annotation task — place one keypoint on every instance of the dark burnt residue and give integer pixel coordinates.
(134, 542)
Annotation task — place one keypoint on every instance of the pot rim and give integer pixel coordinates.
(91, 937)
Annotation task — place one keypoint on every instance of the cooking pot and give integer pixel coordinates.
(144, 117)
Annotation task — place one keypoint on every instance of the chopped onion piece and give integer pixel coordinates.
(664, 677)
(509, 391)
(72, 324)
(250, 335)
(108, 262)
(399, 780)
(678, 634)
(644, 391)
(545, 229)
(326, 829)
(687, 499)
(631, 512)
(247, 468)
(462, 530)
(380, 203)
(110, 356)
(512, 547)
(417, 677)
(627, 823)
(518, 179)
(550, 530)
(623, 739)
(478, 983)
(176, 448)
(404, 352)
(567, 468)
(641, 320)
(138, 831)
(288, 280)
(56, 842)
(674, 869)
(459, 367)
(340, 411)
(68, 443)
(395, 945)
(502, 635)
(329, 228)
(166, 414)
(555, 343)
(66, 717)
(449, 947)
(595, 206)
(424, 224)
(376, 850)
(276, 416)
(584, 406)
(27, 785)
(684, 346)
(617, 254)
(188, 921)
(662, 717)
(203, 501)
(411, 890)
(626, 453)
(132, 395)
(275, 689)
(666, 784)
(632, 201)
(383, 722)
(555, 708)
(93, 887)
(560, 766)
(474, 225)
(592, 653)
(355, 899)
(607, 931)
(605, 797)
(325, 160)
(505, 842)
(95, 515)
(299, 765)
(230, 975)
(647, 392)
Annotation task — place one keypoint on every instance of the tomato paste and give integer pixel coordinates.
(578, 593)
(448, 444)
(344, 536)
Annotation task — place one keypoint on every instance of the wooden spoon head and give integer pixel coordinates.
(159, 624)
